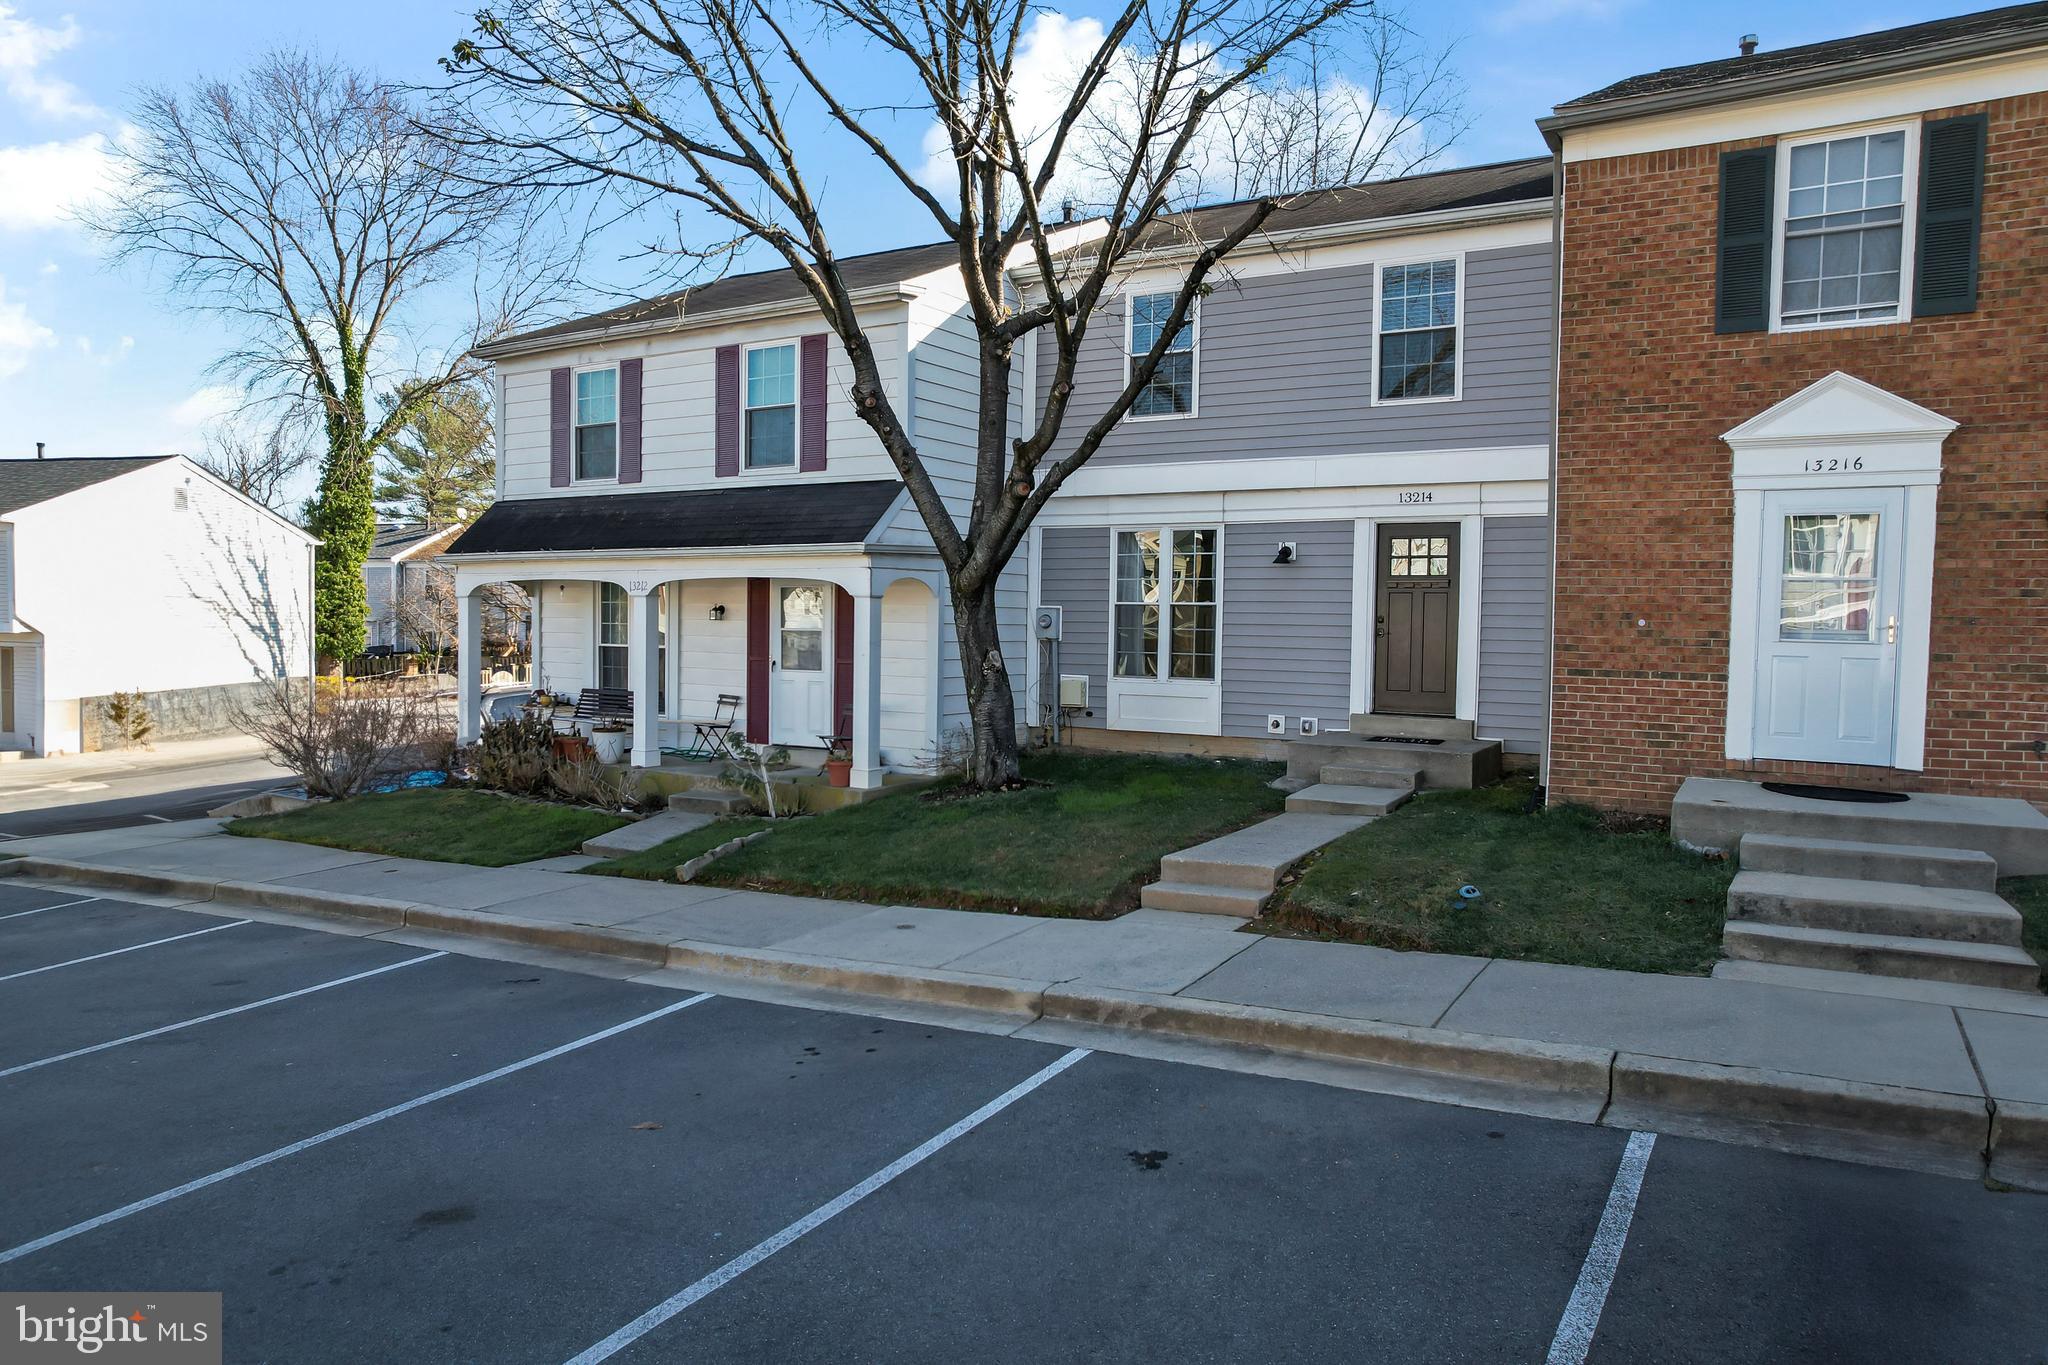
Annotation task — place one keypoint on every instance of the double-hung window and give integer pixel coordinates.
(1165, 604)
(771, 407)
(612, 670)
(1844, 227)
(1171, 390)
(1418, 332)
(597, 424)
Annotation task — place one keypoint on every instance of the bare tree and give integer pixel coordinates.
(305, 203)
(259, 464)
(704, 105)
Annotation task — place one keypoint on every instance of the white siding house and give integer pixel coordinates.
(140, 575)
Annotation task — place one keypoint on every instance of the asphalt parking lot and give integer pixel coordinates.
(378, 1151)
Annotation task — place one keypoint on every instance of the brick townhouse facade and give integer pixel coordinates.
(1784, 277)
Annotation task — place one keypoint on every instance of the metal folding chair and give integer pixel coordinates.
(713, 736)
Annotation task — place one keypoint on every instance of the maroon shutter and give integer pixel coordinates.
(561, 419)
(842, 663)
(629, 420)
(725, 381)
(758, 632)
(811, 404)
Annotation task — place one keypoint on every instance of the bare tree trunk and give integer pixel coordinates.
(991, 706)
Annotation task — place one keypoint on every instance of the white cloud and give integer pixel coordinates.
(1531, 13)
(45, 185)
(24, 47)
(202, 406)
(20, 335)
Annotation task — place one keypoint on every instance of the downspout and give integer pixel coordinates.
(1556, 428)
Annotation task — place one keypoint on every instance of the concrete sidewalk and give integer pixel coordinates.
(1896, 1082)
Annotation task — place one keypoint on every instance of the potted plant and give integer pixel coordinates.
(610, 738)
(839, 763)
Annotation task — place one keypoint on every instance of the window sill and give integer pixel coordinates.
(1416, 402)
(1162, 417)
(1860, 324)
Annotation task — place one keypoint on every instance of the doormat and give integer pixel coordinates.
(1399, 739)
(1854, 795)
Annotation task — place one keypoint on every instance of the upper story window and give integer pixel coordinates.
(597, 424)
(1171, 392)
(771, 407)
(1844, 229)
(1166, 604)
(1418, 332)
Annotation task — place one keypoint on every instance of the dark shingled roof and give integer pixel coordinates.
(1500, 182)
(759, 287)
(24, 483)
(392, 539)
(712, 519)
(2014, 22)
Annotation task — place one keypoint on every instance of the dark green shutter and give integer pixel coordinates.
(1742, 275)
(1951, 212)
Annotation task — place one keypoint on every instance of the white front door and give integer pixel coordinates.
(1828, 618)
(800, 664)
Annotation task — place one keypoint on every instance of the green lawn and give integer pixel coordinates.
(658, 864)
(450, 826)
(1556, 886)
(2030, 894)
(1079, 842)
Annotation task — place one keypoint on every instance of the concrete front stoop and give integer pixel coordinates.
(642, 835)
(1234, 874)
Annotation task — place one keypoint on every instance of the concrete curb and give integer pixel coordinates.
(1558, 1068)
(2019, 1145)
(925, 985)
(1891, 1125)
(1801, 1112)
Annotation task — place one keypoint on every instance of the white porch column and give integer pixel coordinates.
(867, 689)
(643, 673)
(469, 665)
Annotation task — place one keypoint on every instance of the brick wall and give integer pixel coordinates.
(1645, 511)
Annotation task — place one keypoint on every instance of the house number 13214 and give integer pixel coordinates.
(1834, 464)
(1418, 497)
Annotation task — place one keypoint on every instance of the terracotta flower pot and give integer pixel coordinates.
(839, 771)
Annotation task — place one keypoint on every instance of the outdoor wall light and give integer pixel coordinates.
(1285, 554)
(718, 612)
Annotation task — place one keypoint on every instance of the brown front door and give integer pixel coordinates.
(1415, 657)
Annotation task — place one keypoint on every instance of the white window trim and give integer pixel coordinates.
(1178, 706)
(796, 410)
(1193, 328)
(1457, 393)
(1909, 216)
(575, 464)
(1166, 531)
(598, 644)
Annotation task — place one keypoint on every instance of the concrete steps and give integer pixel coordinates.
(1454, 763)
(1716, 813)
(1330, 799)
(1924, 959)
(710, 801)
(1898, 909)
(644, 834)
(1357, 775)
(1234, 874)
(1960, 869)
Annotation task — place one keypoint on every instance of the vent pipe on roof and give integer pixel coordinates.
(39, 450)
(1748, 45)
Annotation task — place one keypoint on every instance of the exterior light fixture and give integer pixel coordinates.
(718, 612)
(1285, 554)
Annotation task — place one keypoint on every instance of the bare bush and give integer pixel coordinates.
(514, 755)
(342, 743)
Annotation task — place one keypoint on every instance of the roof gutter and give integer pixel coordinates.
(835, 548)
(893, 292)
(1572, 116)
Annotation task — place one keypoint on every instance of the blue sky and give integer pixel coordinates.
(98, 362)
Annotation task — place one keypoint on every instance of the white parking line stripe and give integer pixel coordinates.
(161, 819)
(20, 914)
(824, 1213)
(132, 948)
(217, 1014)
(355, 1125)
(1582, 1314)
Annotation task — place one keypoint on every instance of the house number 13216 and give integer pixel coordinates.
(1418, 497)
(1834, 464)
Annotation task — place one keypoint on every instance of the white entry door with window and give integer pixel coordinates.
(1829, 621)
(800, 666)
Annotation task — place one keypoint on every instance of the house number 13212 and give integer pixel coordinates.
(1834, 464)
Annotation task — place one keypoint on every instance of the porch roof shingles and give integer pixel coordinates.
(707, 519)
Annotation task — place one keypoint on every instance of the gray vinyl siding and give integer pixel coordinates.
(1286, 627)
(1285, 368)
(1514, 624)
(1074, 574)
